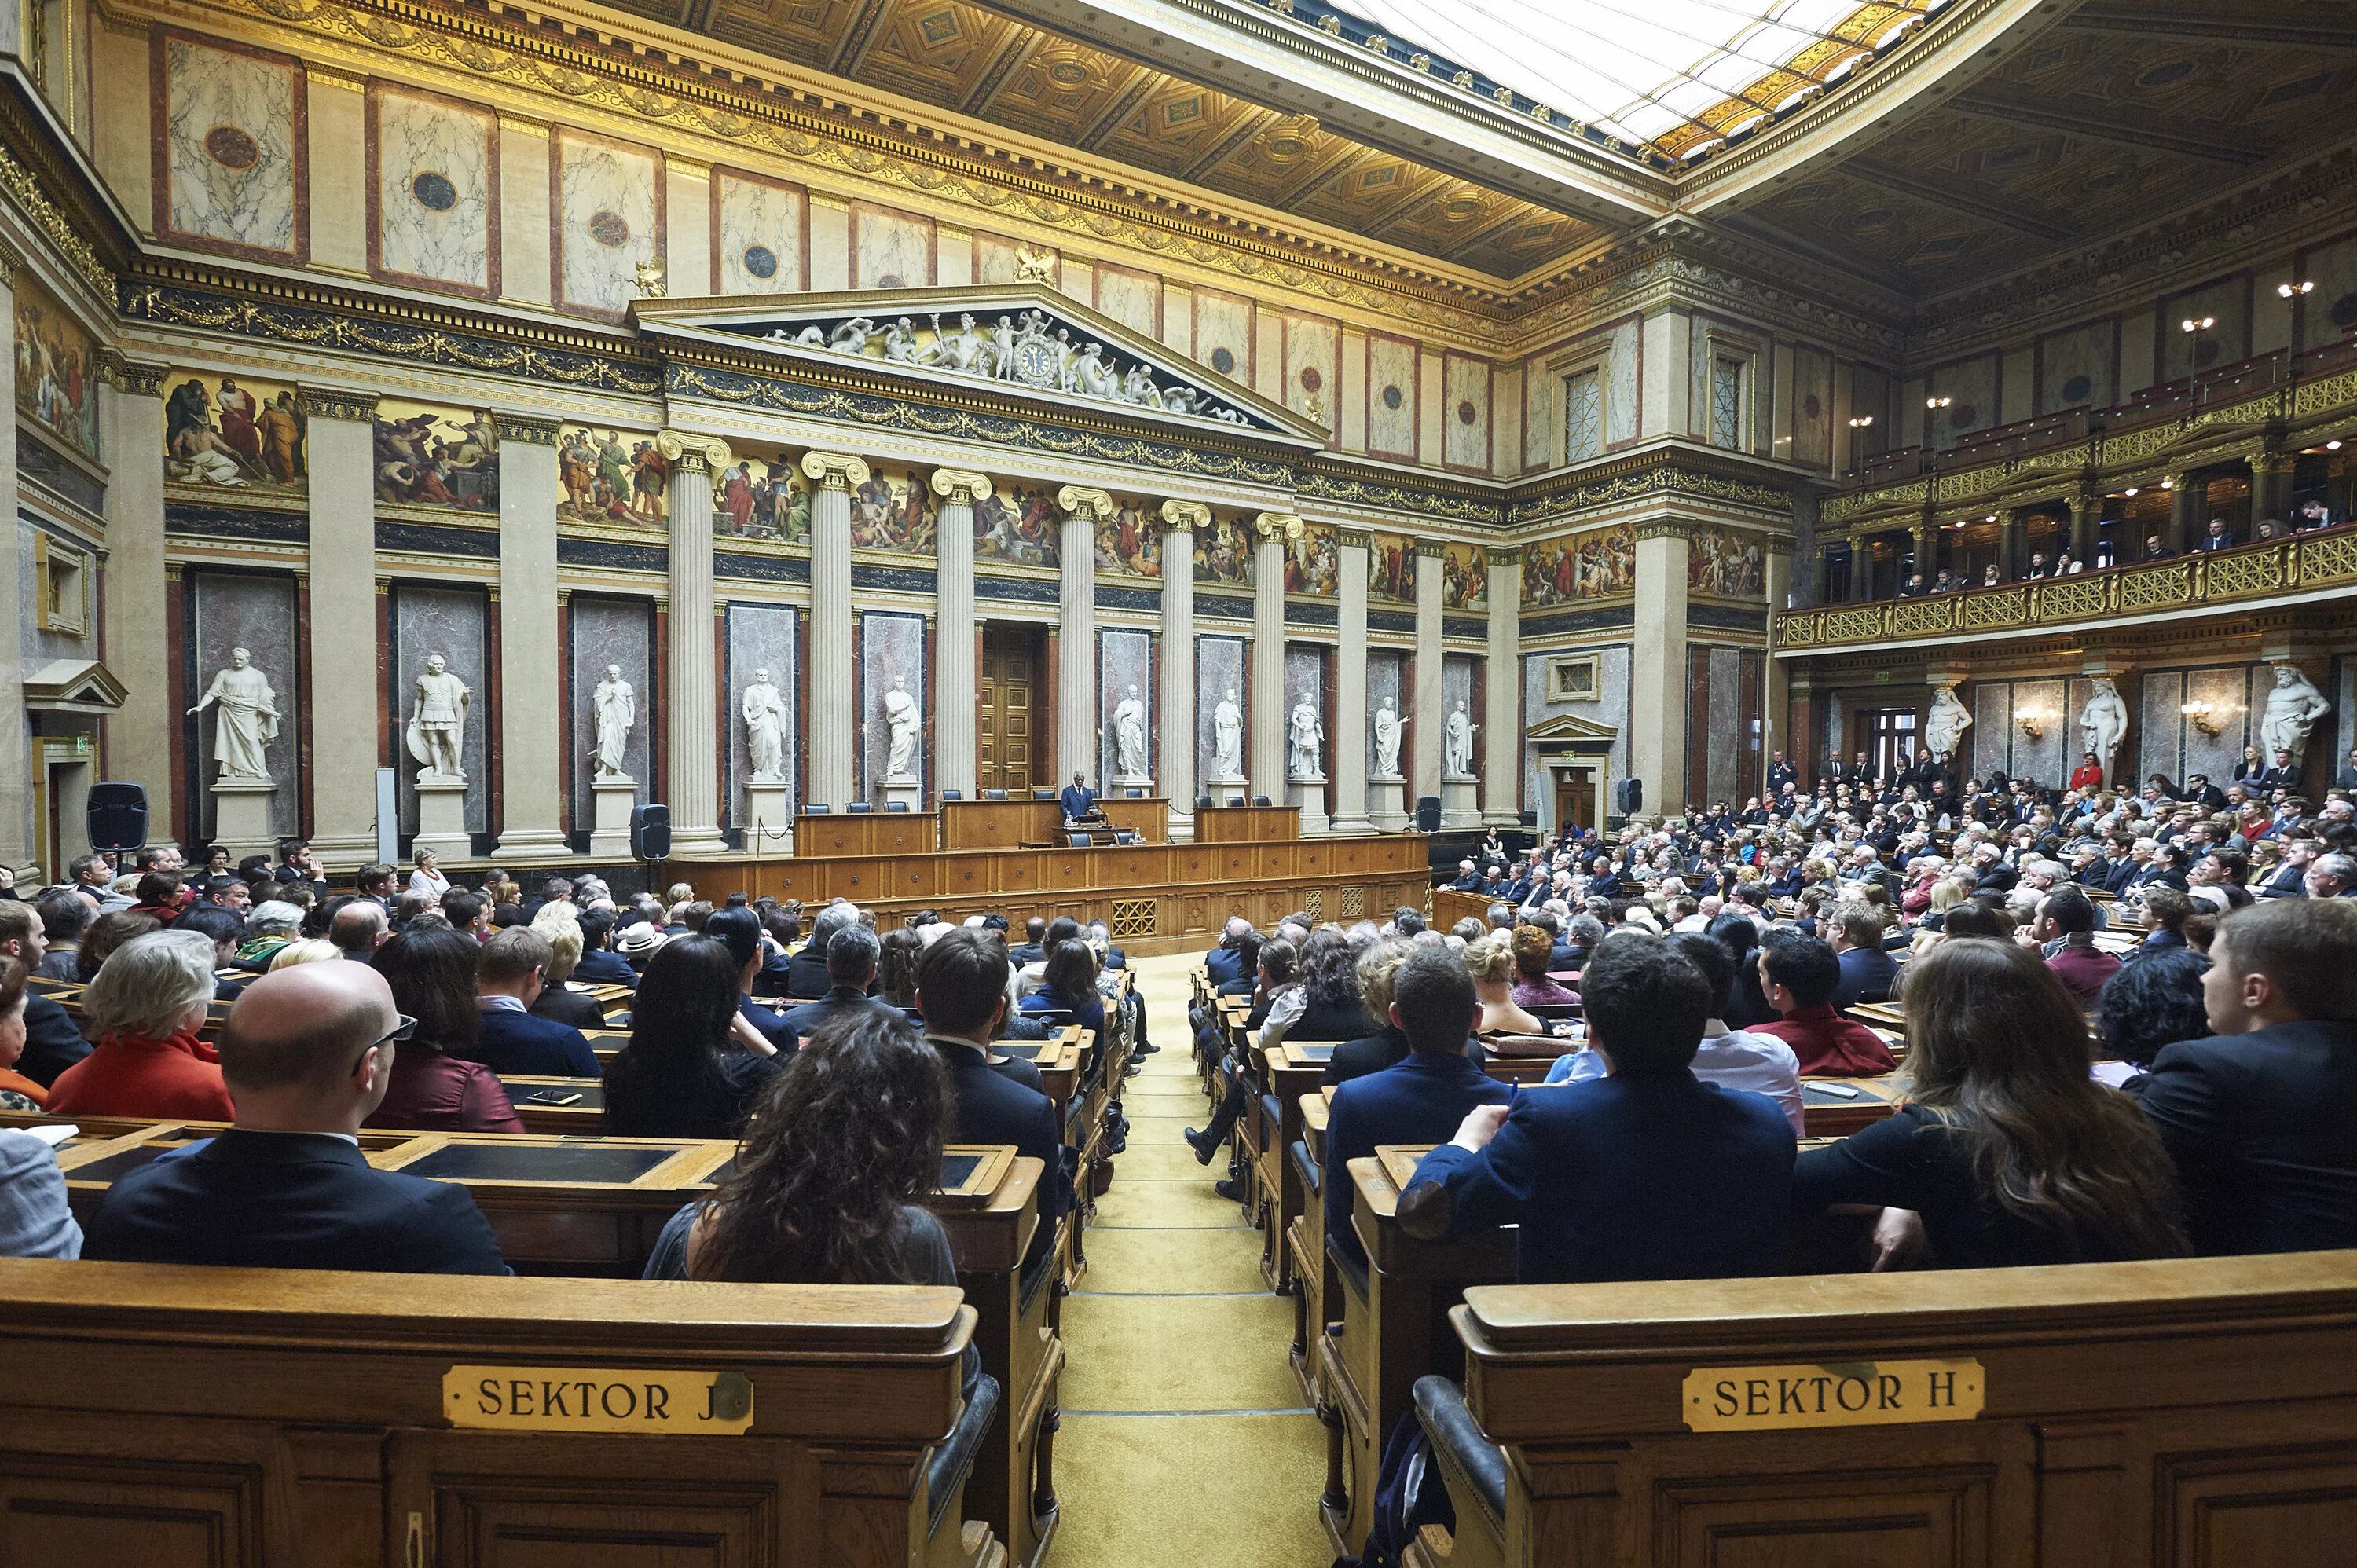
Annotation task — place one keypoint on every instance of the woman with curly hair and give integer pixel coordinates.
(1332, 1006)
(1533, 948)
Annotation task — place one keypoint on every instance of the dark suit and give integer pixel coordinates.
(2288, 882)
(562, 1007)
(1029, 952)
(1078, 801)
(806, 976)
(604, 968)
(2258, 1124)
(1866, 976)
(1386, 1048)
(991, 1106)
(2216, 542)
(53, 1044)
(2279, 778)
(772, 1025)
(290, 1200)
(1420, 1101)
(1223, 965)
(839, 1002)
(1623, 1178)
(514, 1043)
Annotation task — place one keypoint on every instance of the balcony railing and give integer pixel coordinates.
(2307, 562)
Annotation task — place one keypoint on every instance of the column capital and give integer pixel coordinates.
(525, 429)
(1429, 549)
(1504, 554)
(961, 484)
(834, 471)
(1079, 500)
(1185, 517)
(1776, 543)
(2273, 462)
(338, 402)
(1354, 539)
(1662, 528)
(691, 454)
(1277, 524)
(133, 378)
(10, 264)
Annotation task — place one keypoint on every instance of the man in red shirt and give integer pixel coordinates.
(2065, 925)
(1798, 975)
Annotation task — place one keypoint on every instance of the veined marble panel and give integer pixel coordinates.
(453, 622)
(891, 650)
(435, 190)
(1131, 297)
(1313, 367)
(608, 217)
(604, 631)
(1392, 371)
(1720, 728)
(1456, 686)
(2224, 690)
(1538, 413)
(1220, 675)
(2050, 756)
(2161, 724)
(1465, 412)
(1224, 334)
(762, 637)
(255, 612)
(232, 161)
(994, 259)
(891, 249)
(1125, 668)
(1620, 384)
(1992, 732)
(759, 228)
(1813, 408)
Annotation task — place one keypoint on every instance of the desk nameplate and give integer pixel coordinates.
(1832, 1393)
(598, 1399)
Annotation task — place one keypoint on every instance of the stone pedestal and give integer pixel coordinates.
(1387, 802)
(1219, 788)
(1309, 793)
(1460, 805)
(442, 818)
(1120, 784)
(907, 792)
(242, 817)
(768, 817)
(609, 836)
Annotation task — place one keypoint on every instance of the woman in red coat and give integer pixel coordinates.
(146, 1004)
(2089, 774)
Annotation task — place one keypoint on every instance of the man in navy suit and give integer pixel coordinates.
(851, 958)
(1421, 1099)
(1225, 964)
(739, 930)
(599, 963)
(806, 976)
(1866, 969)
(961, 992)
(1080, 801)
(307, 1053)
(1645, 1174)
(53, 1044)
(511, 972)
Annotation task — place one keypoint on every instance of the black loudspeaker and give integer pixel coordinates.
(1629, 796)
(1428, 813)
(651, 832)
(118, 817)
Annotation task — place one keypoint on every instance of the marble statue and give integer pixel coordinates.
(852, 337)
(1945, 724)
(2292, 710)
(615, 707)
(964, 349)
(437, 723)
(900, 717)
(2103, 722)
(901, 342)
(1129, 735)
(1227, 738)
(1034, 264)
(1304, 741)
(764, 707)
(1390, 731)
(1457, 741)
(245, 717)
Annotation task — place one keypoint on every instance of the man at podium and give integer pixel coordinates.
(1079, 802)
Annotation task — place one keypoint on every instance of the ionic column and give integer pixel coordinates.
(1177, 713)
(2270, 489)
(955, 695)
(1265, 765)
(532, 768)
(1430, 705)
(341, 442)
(16, 731)
(2189, 499)
(2086, 526)
(1657, 696)
(138, 734)
(1501, 742)
(1777, 577)
(1076, 639)
(692, 742)
(833, 687)
(1348, 751)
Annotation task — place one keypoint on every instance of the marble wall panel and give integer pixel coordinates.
(1386, 683)
(1392, 400)
(2227, 302)
(1539, 401)
(1131, 297)
(1971, 384)
(1305, 681)
(759, 231)
(2075, 368)
(1726, 744)
(891, 249)
(434, 190)
(1219, 673)
(1224, 334)
(604, 631)
(255, 612)
(1620, 384)
(1813, 407)
(994, 259)
(1465, 419)
(1125, 667)
(2161, 724)
(1992, 731)
(40, 646)
(2344, 690)
(762, 637)
(891, 650)
(608, 217)
(1611, 707)
(2048, 757)
(230, 165)
(455, 623)
(1313, 366)
(2223, 689)
(2334, 269)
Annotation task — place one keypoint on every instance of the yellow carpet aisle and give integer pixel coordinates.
(1186, 1438)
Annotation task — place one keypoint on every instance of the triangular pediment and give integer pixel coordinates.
(73, 686)
(1569, 729)
(1025, 343)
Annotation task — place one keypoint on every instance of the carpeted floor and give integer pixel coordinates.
(1185, 1441)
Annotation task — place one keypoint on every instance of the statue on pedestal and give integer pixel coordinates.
(1390, 731)
(1457, 741)
(616, 708)
(1129, 737)
(901, 718)
(438, 723)
(1944, 724)
(2292, 710)
(1305, 738)
(1227, 738)
(2103, 722)
(245, 718)
(764, 707)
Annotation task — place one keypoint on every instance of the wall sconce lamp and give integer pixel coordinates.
(1938, 402)
(2203, 323)
(1862, 422)
(2288, 289)
(2208, 717)
(2033, 722)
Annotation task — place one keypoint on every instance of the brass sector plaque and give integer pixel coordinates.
(1832, 1393)
(586, 1398)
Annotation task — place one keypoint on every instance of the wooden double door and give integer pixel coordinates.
(1010, 733)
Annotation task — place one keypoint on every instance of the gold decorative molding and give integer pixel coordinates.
(1277, 525)
(1663, 527)
(1080, 501)
(529, 429)
(1185, 517)
(133, 378)
(1354, 539)
(691, 454)
(834, 471)
(961, 486)
(1429, 549)
(338, 402)
(33, 203)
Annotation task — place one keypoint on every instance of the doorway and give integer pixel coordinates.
(1575, 798)
(1889, 733)
(1006, 720)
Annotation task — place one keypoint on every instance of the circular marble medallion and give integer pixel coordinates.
(610, 228)
(231, 148)
(762, 261)
(1394, 397)
(2076, 389)
(434, 191)
(1466, 412)
(1223, 361)
(1310, 379)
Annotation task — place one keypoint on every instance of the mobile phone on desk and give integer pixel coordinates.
(552, 1097)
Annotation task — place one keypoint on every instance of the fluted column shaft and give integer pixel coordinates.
(16, 733)
(833, 683)
(1431, 708)
(1501, 731)
(138, 734)
(692, 746)
(1348, 754)
(1657, 694)
(1265, 749)
(955, 695)
(340, 442)
(1178, 708)
(532, 781)
(1076, 645)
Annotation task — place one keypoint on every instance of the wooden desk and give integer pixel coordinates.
(1836, 1107)
(869, 832)
(1246, 824)
(1449, 906)
(238, 1418)
(1295, 1069)
(2189, 1412)
(1009, 824)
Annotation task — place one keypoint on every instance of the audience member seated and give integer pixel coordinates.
(1223, 965)
(17, 1093)
(695, 1063)
(1800, 975)
(1386, 1045)
(2007, 1149)
(1033, 948)
(556, 1001)
(2154, 1002)
(35, 1220)
(1278, 994)
(1856, 928)
(1745, 1006)
(53, 1044)
(851, 958)
(510, 971)
(895, 970)
(225, 929)
(1732, 1059)
(1332, 1006)
(435, 1084)
(600, 964)
(64, 917)
(1070, 985)
(1535, 950)
(2066, 922)
(359, 928)
(806, 977)
(1645, 1174)
(2258, 1118)
(145, 1007)
(309, 1054)
(2165, 909)
(1490, 962)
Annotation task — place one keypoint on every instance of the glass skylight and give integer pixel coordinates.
(1677, 74)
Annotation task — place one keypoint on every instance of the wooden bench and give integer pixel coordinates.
(173, 1417)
